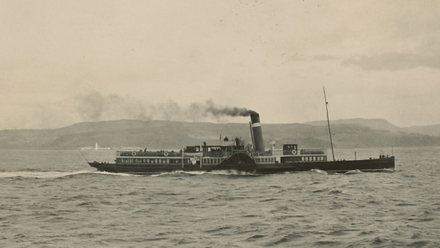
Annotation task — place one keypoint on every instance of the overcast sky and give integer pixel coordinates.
(63, 62)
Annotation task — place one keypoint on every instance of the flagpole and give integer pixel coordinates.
(183, 150)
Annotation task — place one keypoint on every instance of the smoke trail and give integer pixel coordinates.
(96, 107)
(228, 111)
(91, 106)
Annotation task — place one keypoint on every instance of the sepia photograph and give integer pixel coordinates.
(201, 123)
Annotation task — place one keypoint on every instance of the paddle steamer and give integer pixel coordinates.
(234, 155)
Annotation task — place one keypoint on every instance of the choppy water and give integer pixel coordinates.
(54, 199)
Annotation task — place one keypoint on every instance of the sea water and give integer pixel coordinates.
(54, 199)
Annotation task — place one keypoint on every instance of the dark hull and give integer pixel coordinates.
(333, 166)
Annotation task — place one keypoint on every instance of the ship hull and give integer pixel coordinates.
(332, 166)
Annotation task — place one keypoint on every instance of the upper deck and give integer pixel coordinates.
(216, 153)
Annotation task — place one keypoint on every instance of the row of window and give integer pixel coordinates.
(151, 161)
(265, 160)
(208, 160)
(313, 158)
(211, 160)
(289, 147)
(303, 159)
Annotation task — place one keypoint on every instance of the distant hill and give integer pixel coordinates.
(376, 124)
(428, 130)
(354, 133)
(381, 124)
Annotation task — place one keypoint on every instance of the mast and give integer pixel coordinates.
(183, 151)
(328, 124)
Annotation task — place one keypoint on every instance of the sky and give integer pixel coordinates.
(64, 62)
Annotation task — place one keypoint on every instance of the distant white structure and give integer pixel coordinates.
(96, 147)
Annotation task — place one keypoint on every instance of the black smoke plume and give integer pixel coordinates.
(228, 111)
(96, 107)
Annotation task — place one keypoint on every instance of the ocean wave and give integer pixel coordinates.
(319, 171)
(116, 174)
(284, 239)
(80, 206)
(201, 173)
(337, 191)
(55, 174)
(352, 172)
(179, 173)
(41, 174)
(233, 173)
